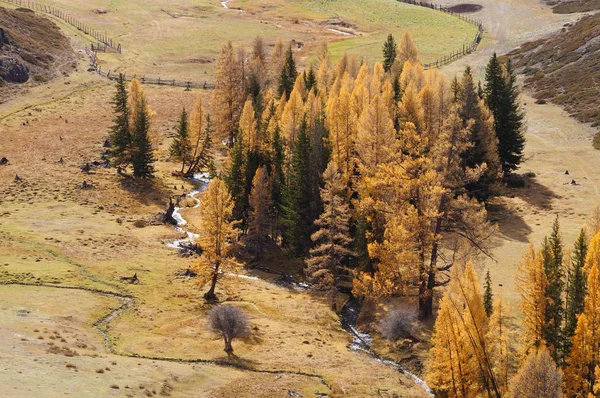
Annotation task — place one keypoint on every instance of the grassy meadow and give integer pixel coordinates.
(182, 39)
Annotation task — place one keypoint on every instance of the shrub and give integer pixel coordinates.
(230, 322)
(398, 324)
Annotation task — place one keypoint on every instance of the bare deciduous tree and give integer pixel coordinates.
(230, 322)
(538, 377)
(399, 324)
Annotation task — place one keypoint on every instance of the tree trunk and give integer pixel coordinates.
(228, 348)
(210, 295)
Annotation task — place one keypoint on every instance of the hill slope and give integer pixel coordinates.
(564, 68)
(32, 49)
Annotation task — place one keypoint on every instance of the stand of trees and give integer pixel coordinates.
(414, 157)
(475, 352)
(130, 132)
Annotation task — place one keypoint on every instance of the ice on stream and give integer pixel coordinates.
(202, 179)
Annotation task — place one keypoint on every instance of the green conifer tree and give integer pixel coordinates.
(142, 157)
(552, 252)
(502, 97)
(488, 296)
(299, 194)
(181, 147)
(288, 74)
(120, 137)
(310, 79)
(236, 178)
(390, 50)
(278, 175)
(576, 290)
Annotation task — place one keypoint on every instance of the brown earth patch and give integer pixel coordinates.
(466, 8)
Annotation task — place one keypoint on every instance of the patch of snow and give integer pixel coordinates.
(341, 32)
(224, 3)
(254, 278)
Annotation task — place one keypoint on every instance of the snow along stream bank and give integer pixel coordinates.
(361, 341)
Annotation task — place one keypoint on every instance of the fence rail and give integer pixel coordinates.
(466, 48)
(102, 37)
(188, 84)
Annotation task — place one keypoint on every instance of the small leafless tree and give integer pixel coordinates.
(230, 322)
(399, 324)
(538, 377)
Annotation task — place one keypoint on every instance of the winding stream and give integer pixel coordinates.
(361, 341)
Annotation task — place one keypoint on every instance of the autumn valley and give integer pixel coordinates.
(299, 198)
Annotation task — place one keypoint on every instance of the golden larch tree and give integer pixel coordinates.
(217, 232)
(260, 214)
(376, 136)
(228, 95)
(580, 373)
(531, 285)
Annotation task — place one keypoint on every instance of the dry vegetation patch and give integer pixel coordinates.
(564, 68)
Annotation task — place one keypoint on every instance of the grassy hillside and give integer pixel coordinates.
(564, 68)
(32, 48)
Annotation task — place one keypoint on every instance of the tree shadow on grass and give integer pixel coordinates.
(535, 194)
(510, 224)
(146, 191)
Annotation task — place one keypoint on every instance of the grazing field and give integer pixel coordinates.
(182, 39)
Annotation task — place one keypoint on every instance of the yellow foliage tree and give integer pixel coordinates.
(247, 127)
(376, 136)
(531, 285)
(228, 95)
(461, 363)
(341, 122)
(407, 51)
(580, 373)
(593, 254)
(217, 231)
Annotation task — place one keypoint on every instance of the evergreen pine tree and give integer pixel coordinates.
(299, 195)
(142, 157)
(331, 241)
(236, 179)
(389, 52)
(310, 79)
(181, 147)
(120, 137)
(488, 296)
(288, 74)
(576, 290)
(277, 164)
(502, 97)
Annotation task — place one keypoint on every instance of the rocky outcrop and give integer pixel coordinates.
(13, 71)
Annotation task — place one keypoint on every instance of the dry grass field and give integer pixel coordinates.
(54, 236)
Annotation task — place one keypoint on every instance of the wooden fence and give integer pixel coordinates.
(466, 48)
(102, 37)
(188, 84)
